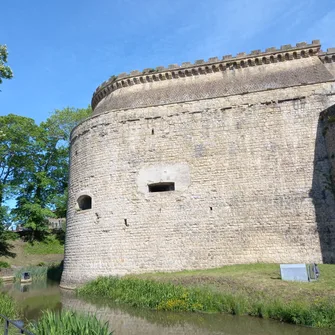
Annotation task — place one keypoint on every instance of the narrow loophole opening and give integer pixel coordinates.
(161, 187)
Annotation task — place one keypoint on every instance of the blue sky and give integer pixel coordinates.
(60, 51)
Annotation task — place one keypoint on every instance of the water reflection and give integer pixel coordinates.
(25, 287)
(129, 321)
(123, 320)
(34, 297)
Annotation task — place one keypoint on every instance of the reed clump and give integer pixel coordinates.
(9, 309)
(8, 306)
(36, 272)
(171, 297)
(69, 323)
(51, 271)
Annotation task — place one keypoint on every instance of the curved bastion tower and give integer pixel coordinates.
(223, 161)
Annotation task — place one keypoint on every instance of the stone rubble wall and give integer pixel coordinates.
(250, 172)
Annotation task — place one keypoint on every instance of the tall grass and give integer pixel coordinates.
(52, 272)
(8, 306)
(68, 323)
(9, 309)
(37, 272)
(169, 297)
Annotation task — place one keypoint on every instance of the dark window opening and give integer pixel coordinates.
(152, 132)
(211, 208)
(84, 202)
(126, 223)
(161, 187)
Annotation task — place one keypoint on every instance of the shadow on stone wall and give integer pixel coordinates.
(323, 185)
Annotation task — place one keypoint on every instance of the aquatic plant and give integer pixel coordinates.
(68, 323)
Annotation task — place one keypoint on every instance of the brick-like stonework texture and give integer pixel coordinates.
(248, 152)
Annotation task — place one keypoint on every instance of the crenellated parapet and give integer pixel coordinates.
(213, 64)
(328, 56)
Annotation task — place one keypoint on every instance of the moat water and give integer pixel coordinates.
(41, 295)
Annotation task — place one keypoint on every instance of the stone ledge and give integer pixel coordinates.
(263, 101)
(68, 288)
(7, 278)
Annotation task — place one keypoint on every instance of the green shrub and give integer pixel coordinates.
(68, 323)
(4, 265)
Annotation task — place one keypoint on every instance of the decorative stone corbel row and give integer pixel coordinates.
(201, 67)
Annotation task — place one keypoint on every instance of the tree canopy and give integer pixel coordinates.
(34, 167)
(5, 71)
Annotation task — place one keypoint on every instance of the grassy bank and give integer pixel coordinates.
(33, 254)
(246, 289)
(52, 245)
(254, 280)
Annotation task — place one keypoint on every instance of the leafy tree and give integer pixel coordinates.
(17, 142)
(43, 193)
(61, 122)
(5, 246)
(34, 168)
(58, 128)
(5, 70)
(34, 216)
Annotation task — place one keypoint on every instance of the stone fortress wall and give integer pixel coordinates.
(241, 147)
